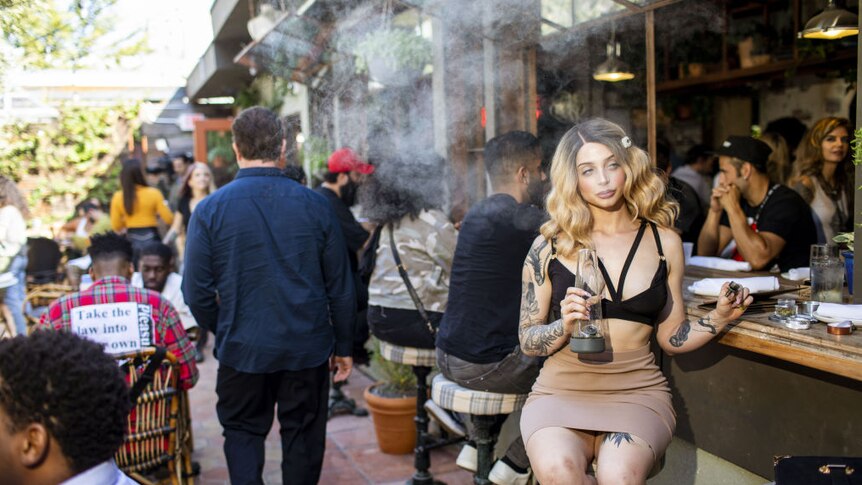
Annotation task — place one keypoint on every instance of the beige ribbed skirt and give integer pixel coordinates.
(623, 392)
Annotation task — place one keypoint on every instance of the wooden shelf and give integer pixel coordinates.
(765, 70)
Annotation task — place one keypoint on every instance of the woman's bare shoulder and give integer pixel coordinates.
(670, 240)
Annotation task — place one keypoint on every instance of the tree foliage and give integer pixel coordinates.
(66, 34)
(71, 158)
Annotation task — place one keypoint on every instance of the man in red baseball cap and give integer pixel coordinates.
(345, 173)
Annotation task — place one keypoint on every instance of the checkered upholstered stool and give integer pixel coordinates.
(483, 408)
(422, 360)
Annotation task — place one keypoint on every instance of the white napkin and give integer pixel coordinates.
(712, 286)
(797, 274)
(718, 263)
(842, 312)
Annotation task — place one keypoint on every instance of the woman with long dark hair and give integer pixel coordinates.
(823, 176)
(134, 209)
(13, 249)
(404, 199)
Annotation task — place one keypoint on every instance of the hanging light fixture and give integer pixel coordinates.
(832, 23)
(613, 69)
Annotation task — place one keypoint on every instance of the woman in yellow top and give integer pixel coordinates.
(135, 207)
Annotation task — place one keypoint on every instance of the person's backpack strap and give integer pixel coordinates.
(412, 291)
(147, 376)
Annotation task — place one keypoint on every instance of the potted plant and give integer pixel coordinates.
(847, 238)
(392, 56)
(392, 403)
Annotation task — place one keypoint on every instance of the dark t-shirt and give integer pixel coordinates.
(691, 215)
(788, 216)
(354, 234)
(481, 320)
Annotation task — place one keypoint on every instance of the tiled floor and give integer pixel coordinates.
(352, 456)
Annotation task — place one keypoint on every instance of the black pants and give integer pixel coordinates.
(402, 327)
(245, 411)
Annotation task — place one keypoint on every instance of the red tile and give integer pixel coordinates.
(363, 436)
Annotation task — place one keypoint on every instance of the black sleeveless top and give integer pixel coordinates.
(644, 307)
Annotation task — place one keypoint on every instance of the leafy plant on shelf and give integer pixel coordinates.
(398, 48)
(396, 380)
(856, 145)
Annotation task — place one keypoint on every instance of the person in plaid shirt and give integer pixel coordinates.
(111, 271)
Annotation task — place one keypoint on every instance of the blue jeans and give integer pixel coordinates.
(15, 295)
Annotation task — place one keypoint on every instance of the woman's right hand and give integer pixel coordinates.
(575, 306)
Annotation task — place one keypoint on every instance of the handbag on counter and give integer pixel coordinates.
(818, 470)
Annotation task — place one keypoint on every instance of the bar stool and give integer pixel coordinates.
(422, 360)
(484, 408)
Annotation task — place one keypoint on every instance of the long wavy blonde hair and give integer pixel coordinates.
(644, 191)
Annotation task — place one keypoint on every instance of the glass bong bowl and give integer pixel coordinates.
(588, 335)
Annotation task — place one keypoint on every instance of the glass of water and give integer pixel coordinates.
(827, 273)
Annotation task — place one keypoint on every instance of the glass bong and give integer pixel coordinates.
(588, 335)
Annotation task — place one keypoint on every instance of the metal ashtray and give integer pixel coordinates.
(798, 323)
(809, 307)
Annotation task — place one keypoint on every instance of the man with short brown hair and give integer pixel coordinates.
(266, 270)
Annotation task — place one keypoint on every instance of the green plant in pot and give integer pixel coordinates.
(392, 56)
(848, 238)
(392, 403)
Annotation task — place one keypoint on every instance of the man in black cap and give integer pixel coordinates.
(763, 223)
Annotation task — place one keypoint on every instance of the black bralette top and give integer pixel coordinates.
(644, 307)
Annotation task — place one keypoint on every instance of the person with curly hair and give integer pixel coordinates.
(615, 406)
(823, 176)
(111, 272)
(404, 199)
(63, 408)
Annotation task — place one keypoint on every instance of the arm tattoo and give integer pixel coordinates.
(537, 263)
(529, 305)
(704, 322)
(681, 335)
(541, 339)
(703, 325)
(617, 438)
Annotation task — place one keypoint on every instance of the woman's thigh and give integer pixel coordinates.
(561, 455)
(622, 458)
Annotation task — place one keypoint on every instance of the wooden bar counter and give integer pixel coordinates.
(761, 389)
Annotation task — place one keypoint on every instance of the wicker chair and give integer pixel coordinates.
(156, 427)
(40, 296)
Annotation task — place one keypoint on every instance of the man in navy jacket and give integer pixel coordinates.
(267, 271)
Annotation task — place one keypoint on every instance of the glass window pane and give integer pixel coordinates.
(593, 9)
(558, 12)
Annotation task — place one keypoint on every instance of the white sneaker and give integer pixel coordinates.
(503, 474)
(468, 459)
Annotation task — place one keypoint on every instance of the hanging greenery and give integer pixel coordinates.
(397, 48)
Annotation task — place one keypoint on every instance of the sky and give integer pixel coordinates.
(179, 31)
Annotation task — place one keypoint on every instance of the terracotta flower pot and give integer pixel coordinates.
(393, 421)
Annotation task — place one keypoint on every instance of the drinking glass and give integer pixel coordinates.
(827, 273)
(588, 336)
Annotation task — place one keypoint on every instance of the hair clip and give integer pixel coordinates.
(626, 141)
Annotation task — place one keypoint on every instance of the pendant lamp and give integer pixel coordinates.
(832, 23)
(613, 69)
